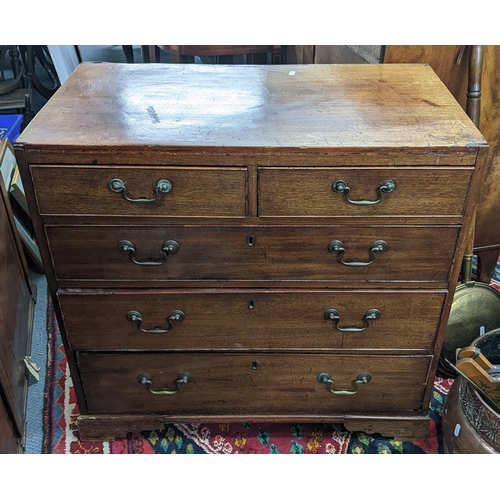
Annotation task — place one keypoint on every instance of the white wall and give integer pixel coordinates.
(65, 60)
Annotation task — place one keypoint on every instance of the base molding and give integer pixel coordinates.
(111, 427)
(401, 429)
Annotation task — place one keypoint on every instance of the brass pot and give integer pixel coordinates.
(475, 305)
(469, 424)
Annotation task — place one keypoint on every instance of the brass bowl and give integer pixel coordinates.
(470, 426)
(475, 305)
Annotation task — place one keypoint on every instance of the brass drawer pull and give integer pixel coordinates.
(147, 380)
(362, 378)
(341, 187)
(118, 186)
(336, 247)
(333, 315)
(169, 247)
(136, 317)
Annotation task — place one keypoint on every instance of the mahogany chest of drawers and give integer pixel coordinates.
(252, 243)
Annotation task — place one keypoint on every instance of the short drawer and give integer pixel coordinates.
(362, 191)
(250, 319)
(343, 253)
(258, 384)
(186, 192)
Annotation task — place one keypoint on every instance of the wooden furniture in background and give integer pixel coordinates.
(450, 62)
(334, 54)
(254, 54)
(129, 53)
(17, 298)
(9, 172)
(487, 231)
(281, 244)
(16, 90)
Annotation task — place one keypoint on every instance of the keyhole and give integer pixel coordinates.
(250, 305)
(254, 365)
(251, 241)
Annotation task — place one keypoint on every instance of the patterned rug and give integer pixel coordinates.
(61, 433)
(495, 280)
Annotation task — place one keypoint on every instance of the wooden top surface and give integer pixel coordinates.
(245, 107)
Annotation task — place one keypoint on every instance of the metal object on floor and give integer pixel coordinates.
(470, 426)
(471, 413)
(475, 308)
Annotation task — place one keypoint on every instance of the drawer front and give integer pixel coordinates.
(251, 383)
(251, 319)
(251, 253)
(193, 191)
(309, 191)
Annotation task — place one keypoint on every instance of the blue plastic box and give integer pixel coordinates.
(10, 126)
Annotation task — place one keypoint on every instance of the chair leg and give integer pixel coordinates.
(28, 113)
(129, 53)
(260, 58)
(152, 53)
(148, 53)
(176, 57)
(225, 59)
(276, 58)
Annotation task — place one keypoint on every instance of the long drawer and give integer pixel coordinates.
(185, 192)
(362, 191)
(342, 253)
(250, 319)
(251, 383)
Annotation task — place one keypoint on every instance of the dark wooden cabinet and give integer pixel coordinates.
(17, 296)
(252, 243)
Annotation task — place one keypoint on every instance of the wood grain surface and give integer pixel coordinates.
(251, 383)
(251, 319)
(16, 314)
(195, 192)
(403, 426)
(309, 192)
(223, 253)
(252, 153)
(241, 107)
(9, 439)
(487, 229)
(443, 59)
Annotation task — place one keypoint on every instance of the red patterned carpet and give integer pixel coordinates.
(61, 434)
(495, 281)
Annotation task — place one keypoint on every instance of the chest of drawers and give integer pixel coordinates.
(252, 243)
